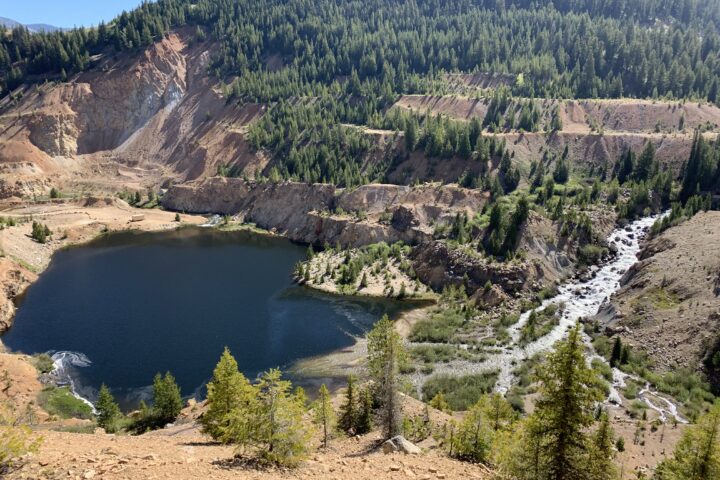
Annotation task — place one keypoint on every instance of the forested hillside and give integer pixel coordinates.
(567, 48)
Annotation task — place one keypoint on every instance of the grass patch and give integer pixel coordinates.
(461, 392)
(24, 264)
(59, 401)
(433, 353)
(590, 254)
(632, 389)
(602, 369)
(662, 298)
(439, 328)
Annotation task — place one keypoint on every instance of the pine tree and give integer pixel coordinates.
(616, 352)
(281, 433)
(167, 401)
(565, 409)
(464, 148)
(473, 437)
(40, 232)
(601, 466)
(645, 164)
(561, 174)
(227, 391)
(324, 414)
(364, 280)
(411, 133)
(349, 409)
(697, 455)
(364, 419)
(626, 166)
(625, 355)
(385, 351)
(438, 402)
(518, 453)
(497, 411)
(108, 410)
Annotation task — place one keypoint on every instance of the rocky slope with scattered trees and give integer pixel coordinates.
(669, 305)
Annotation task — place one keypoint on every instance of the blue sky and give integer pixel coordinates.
(64, 13)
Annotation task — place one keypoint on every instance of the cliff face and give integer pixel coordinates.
(437, 265)
(323, 213)
(132, 121)
(14, 279)
(100, 109)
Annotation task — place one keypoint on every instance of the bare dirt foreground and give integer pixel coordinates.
(182, 452)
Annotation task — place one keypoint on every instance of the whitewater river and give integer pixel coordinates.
(582, 299)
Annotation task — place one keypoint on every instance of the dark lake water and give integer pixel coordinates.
(132, 304)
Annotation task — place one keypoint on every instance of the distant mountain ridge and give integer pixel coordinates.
(33, 27)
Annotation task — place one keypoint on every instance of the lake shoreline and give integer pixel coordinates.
(335, 366)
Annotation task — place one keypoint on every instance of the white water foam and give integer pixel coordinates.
(583, 299)
(64, 362)
(580, 299)
(212, 221)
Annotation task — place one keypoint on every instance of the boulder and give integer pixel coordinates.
(403, 219)
(400, 444)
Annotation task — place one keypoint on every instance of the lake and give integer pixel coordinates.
(128, 305)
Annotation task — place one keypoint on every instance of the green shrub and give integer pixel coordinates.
(440, 327)
(590, 254)
(433, 353)
(460, 392)
(43, 362)
(40, 232)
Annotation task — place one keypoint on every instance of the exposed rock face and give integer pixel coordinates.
(101, 109)
(13, 281)
(54, 134)
(133, 121)
(437, 264)
(491, 297)
(320, 214)
(323, 213)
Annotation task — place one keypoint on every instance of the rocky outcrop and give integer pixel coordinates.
(14, 279)
(320, 213)
(54, 134)
(438, 264)
(400, 444)
(102, 108)
(323, 214)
